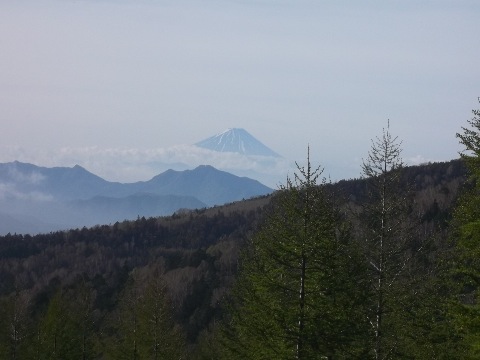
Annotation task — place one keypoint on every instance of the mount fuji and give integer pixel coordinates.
(237, 141)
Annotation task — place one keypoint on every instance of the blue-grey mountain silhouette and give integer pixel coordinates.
(237, 141)
(63, 197)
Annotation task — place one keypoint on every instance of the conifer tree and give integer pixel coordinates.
(299, 294)
(14, 325)
(381, 218)
(142, 326)
(124, 325)
(57, 333)
(85, 322)
(160, 339)
(391, 251)
(466, 240)
(470, 139)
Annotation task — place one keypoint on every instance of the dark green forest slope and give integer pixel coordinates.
(81, 293)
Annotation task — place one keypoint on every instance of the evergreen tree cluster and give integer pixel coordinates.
(362, 281)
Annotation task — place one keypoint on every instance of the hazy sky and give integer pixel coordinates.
(123, 86)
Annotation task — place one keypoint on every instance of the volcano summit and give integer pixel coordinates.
(237, 141)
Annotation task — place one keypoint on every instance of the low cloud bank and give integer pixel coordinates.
(134, 164)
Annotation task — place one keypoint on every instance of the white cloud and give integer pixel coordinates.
(33, 178)
(418, 160)
(134, 164)
(8, 191)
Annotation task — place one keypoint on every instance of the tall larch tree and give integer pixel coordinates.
(390, 250)
(299, 293)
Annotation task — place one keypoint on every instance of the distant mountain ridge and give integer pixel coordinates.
(63, 183)
(236, 140)
(59, 197)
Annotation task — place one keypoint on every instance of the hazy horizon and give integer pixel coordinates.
(123, 88)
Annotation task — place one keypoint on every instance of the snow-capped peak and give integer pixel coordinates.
(236, 140)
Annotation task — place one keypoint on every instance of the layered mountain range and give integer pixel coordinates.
(38, 199)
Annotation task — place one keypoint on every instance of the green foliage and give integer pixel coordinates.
(82, 304)
(142, 327)
(14, 325)
(57, 334)
(298, 294)
(408, 308)
(161, 339)
(386, 242)
(470, 138)
(465, 237)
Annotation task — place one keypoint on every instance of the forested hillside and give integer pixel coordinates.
(75, 292)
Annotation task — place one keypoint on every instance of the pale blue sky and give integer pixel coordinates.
(121, 86)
